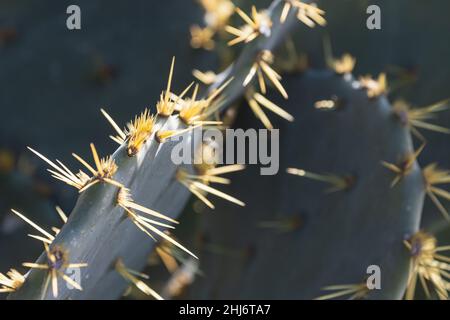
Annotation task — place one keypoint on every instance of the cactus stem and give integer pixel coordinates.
(132, 277)
(404, 167)
(11, 282)
(427, 265)
(357, 291)
(57, 262)
(337, 183)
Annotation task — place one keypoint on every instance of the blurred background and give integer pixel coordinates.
(53, 82)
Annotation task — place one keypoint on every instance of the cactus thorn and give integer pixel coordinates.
(207, 78)
(57, 263)
(433, 176)
(404, 167)
(103, 172)
(145, 224)
(416, 118)
(258, 24)
(255, 100)
(309, 14)
(11, 282)
(374, 88)
(198, 185)
(133, 277)
(356, 291)
(427, 265)
(337, 183)
(262, 67)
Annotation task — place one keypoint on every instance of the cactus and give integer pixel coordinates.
(105, 213)
(349, 152)
(318, 241)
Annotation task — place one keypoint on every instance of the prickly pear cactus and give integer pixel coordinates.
(116, 193)
(349, 195)
(317, 237)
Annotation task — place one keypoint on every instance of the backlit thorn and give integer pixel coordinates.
(218, 13)
(256, 100)
(63, 217)
(356, 291)
(288, 224)
(46, 236)
(344, 65)
(328, 105)
(102, 173)
(62, 173)
(137, 132)
(374, 88)
(193, 111)
(121, 137)
(337, 183)
(168, 259)
(309, 14)
(145, 224)
(167, 104)
(404, 167)
(198, 186)
(163, 135)
(434, 176)
(207, 78)
(126, 202)
(61, 214)
(427, 265)
(11, 282)
(133, 277)
(262, 67)
(56, 265)
(205, 164)
(209, 173)
(170, 255)
(258, 24)
(417, 118)
(202, 37)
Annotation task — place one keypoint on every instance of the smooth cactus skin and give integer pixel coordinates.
(339, 234)
(98, 232)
